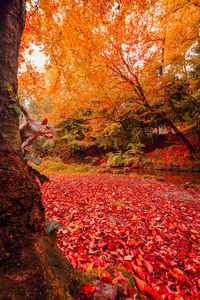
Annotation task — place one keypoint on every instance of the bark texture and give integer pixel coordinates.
(31, 267)
(12, 20)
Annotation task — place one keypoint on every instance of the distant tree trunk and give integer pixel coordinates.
(162, 57)
(180, 135)
(31, 266)
(163, 117)
(135, 83)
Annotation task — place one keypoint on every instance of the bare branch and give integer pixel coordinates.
(115, 86)
(36, 8)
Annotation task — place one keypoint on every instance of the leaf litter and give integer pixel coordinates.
(149, 227)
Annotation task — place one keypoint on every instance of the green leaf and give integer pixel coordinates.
(10, 88)
(53, 235)
(36, 160)
(26, 152)
(42, 178)
(52, 225)
(27, 157)
(16, 107)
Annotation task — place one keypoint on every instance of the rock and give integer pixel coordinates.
(104, 291)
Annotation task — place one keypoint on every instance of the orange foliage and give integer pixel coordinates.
(101, 54)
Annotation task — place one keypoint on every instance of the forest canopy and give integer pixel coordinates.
(113, 70)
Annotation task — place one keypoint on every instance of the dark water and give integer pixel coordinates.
(173, 177)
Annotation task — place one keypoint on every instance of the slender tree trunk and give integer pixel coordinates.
(160, 116)
(135, 83)
(31, 266)
(163, 118)
(168, 122)
(180, 135)
(162, 57)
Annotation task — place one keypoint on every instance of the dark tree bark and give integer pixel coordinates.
(31, 266)
(12, 20)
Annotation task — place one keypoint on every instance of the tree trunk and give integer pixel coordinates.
(32, 267)
(180, 135)
(12, 19)
(163, 117)
(171, 125)
(141, 96)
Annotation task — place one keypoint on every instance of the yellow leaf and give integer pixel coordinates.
(90, 266)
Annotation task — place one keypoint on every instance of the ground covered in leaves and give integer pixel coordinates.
(149, 227)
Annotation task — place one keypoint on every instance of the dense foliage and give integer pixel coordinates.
(115, 71)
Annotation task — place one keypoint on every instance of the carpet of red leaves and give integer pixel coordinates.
(149, 227)
(177, 154)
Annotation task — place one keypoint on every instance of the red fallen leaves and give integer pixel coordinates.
(175, 154)
(148, 227)
(105, 277)
(140, 272)
(117, 278)
(148, 266)
(147, 289)
(86, 291)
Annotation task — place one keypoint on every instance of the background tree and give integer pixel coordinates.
(195, 85)
(110, 53)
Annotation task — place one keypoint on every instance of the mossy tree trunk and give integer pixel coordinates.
(31, 266)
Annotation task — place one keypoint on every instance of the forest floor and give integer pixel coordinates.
(168, 154)
(149, 227)
(172, 154)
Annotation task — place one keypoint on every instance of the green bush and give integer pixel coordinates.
(91, 160)
(157, 157)
(43, 145)
(115, 159)
(132, 156)
(146, 176)
(119, 171)
(100, 170)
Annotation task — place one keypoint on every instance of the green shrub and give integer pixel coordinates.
(145, 176)
(132, 156)
(157, 157)
(119, 171)
(100, 170)
(115, 159)
(43, 145)
(91, 160)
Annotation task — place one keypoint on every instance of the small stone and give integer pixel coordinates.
(104, 291)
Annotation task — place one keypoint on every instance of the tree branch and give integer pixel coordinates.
(36, 8)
